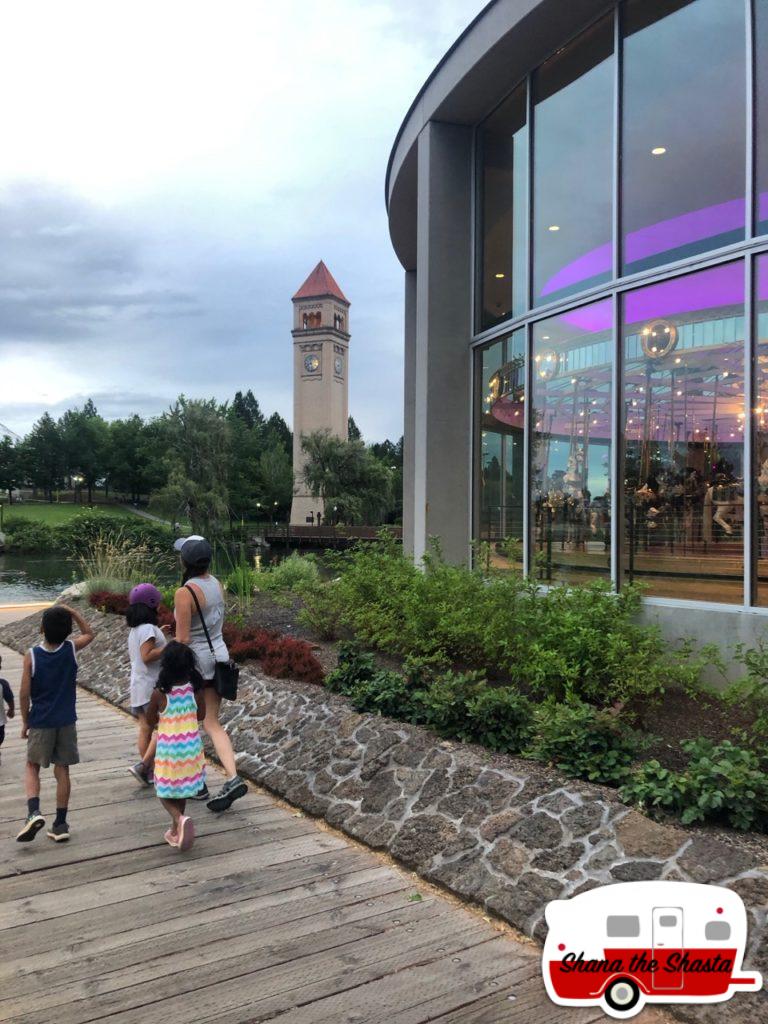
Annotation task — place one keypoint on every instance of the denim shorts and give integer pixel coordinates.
(141, 709)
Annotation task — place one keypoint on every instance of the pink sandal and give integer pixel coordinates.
(186, 833)
(170, 838)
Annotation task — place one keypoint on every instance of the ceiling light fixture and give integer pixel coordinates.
(499, 276)
(554, 227)
(659, 150)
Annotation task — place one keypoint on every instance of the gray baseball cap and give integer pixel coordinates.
(193, 549)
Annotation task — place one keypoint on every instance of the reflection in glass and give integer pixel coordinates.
(760, 421)
(573, 166)
(503, 148)
(501, 401)
(683, 407)
(761, 116)
(684, 138)
(571, 443)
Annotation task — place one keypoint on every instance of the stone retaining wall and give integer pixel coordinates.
(506, 833)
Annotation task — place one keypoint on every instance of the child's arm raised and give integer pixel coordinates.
(25, 694)
(86, 629)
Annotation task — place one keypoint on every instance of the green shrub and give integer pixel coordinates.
(752, 690)
(368, 687)
(566, 641)
(721, 782)
(320, 608)
(288, 575)
(354, 666)
(500, 718)
(585, 743)
(27, 535)
(81, 532)
(443, 705)
(385, 693)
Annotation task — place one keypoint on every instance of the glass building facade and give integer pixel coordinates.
(620, 355)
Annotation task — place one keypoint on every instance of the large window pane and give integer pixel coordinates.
(683, 159)
(501, 402)
(573, 166)
(571, 444)
(683, 344)
(503, 149)
(761, 128)
(761, 428)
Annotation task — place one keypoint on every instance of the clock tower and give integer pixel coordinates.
(320, 375)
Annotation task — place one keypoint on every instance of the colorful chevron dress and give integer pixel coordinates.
(179, 760)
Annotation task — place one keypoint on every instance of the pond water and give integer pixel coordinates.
(26, 578)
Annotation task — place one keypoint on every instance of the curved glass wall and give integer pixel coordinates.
(572, 166)
(684, 414)
(503, 161)
(572, 362)
(500, 402)
(683, 129)
(760, 422)
(761, 117)
(647, 436)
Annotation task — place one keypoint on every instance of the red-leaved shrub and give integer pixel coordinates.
(281, 656)
(106, 601)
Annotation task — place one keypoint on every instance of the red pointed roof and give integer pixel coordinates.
(320, 282)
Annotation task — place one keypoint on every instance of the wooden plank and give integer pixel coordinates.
(421, 992)
(306, 900)
(180, 873)
(269, 979)
(267, 916)
(86, 872)
(249, 936)
(211, 890)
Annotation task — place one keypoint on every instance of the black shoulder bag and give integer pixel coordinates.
(226, 673)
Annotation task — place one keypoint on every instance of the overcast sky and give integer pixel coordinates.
(172, 170)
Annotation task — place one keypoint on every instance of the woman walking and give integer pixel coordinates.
(201, 597)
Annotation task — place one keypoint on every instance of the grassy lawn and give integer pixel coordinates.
(54, 514)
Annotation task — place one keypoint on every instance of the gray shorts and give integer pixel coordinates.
(139, 709)
(53, 746)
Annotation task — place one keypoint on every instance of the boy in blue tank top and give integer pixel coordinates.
(47, 701)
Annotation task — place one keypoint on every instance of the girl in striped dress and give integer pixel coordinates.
(175, 709)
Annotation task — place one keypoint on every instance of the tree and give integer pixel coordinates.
(195, 434)
(9, 465)
(245, 407)
(353, 431)
(245, 448)
(277, 432)
(346, 475)
(85, 441)
(134, 463)
(41, 455)
(276, 479)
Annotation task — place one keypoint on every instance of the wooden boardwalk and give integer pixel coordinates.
(268, 917)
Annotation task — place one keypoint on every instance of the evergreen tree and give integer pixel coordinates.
(353, 431)
(41, 455)
(9, 466)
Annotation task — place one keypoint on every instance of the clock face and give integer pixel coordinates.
(338, 365)
(311, 364)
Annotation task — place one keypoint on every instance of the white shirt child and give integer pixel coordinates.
(143, 676)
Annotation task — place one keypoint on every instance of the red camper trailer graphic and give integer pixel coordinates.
(625, 945)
